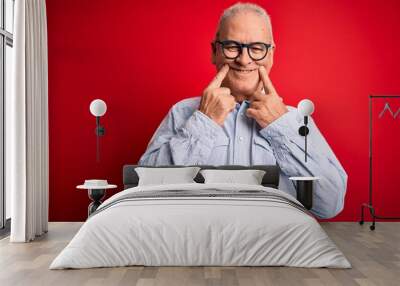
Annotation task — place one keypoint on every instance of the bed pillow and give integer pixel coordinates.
(248, 177)
(162, 176)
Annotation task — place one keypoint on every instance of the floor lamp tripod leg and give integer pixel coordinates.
(372, 227)
(362, 215)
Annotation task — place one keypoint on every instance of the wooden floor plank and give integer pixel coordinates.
(374, 255)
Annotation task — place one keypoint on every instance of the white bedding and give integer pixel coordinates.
(182, 231)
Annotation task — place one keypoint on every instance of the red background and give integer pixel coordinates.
(143, 56)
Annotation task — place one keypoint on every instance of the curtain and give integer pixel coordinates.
(27, 124)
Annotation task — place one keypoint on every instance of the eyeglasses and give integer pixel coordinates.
(232, 49)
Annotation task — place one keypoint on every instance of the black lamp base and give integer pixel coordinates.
(303, 130)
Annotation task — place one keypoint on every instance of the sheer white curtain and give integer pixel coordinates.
(27, 124)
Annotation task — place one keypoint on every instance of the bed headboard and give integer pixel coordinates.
(270, 179)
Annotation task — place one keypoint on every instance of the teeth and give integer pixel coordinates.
(243, 71)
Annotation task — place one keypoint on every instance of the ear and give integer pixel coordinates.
(213, 53)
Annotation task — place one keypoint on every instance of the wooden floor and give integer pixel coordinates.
(375, 256)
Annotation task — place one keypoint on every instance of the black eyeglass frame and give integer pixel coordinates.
(241, 45)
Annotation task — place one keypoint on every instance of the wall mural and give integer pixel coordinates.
(145, 57)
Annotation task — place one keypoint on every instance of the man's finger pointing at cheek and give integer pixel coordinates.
(268, 87)
(218, 79)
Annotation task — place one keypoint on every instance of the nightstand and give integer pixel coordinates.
(304, 190)
(96, 191)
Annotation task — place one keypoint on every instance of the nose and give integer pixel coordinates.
(244, 59)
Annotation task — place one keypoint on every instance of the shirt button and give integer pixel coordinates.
(241, 138)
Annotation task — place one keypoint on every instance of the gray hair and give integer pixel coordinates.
(244, 7)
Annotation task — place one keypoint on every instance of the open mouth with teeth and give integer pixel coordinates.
(243, 71)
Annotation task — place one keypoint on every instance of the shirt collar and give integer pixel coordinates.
(245, 103)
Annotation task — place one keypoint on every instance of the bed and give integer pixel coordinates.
(198, 224)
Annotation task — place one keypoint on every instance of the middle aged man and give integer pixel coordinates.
(241, 120)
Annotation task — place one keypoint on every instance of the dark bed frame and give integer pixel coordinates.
(270, 179)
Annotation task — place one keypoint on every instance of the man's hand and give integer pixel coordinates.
(265, 108)
(217, 102)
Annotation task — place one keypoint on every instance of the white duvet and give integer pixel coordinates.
(200, 231)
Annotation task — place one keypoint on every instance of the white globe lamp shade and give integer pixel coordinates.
(98, 107)
(305, 107)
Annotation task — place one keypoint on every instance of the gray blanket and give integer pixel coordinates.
(203, 194)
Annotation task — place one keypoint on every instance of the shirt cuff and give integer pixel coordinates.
(200, 125)
(285, 126)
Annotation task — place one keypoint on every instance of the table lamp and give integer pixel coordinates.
(98, 108)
